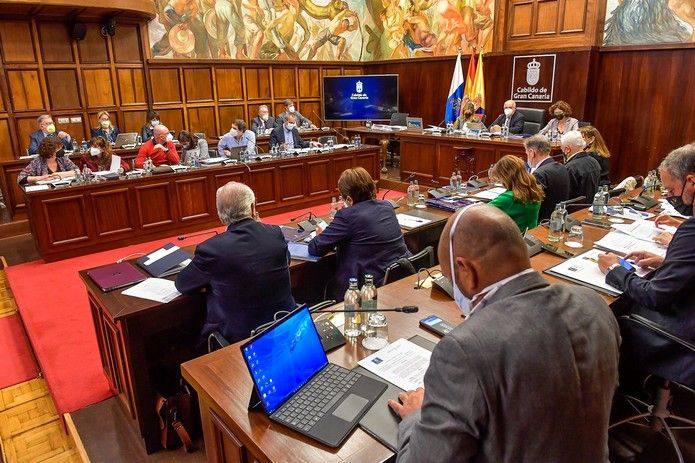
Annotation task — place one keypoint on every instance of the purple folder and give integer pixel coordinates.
(114, 276)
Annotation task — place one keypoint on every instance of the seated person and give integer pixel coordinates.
(46, 128)
(160, 149)
(99, 156)
(245, 270)
(467, 115)
(531, 355)
(147, 131)
(286, 135)
(106, 129)
(550, 174)
(562, 122)
(192, 146)
(300, 120)
(584, 171)
(264, 121)
(511, 118)
(50, 164)
(597, 149)
(366, 234)
(237, 136)
(667, 294)
(523, 197)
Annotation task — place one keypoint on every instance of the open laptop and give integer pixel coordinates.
(125, 139)
(297, 386)
(235, 153)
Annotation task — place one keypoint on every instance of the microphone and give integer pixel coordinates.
(440, 124)
(574, 200)
(410, 177)
(209, 232)
(616, 192)
(323, 123)
(345, 138)
(308, 225)
(404, 309)
(475, 182)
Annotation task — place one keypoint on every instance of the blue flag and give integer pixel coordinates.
(453, 102)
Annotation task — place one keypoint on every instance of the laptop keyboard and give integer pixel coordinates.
(316, 398)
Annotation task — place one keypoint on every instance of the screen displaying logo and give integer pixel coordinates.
(358, 86)
(533, 78)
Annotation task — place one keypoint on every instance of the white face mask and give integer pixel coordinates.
(508, 111)
(291, 109)
(462, 301)
(234, 132)
(290, 126)
(94, 151)
(264, 117)
(170, 137)
(154, 122)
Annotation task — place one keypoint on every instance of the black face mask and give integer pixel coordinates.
(680, 206)
(60, 154)
(559, 116)
(467, 114)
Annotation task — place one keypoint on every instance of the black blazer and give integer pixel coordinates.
(555, 181)
(111, 137)
(257, 123)
(603, 162)
(665, 296)
(277, 136)
(146, 133)
(516, 124)
(247, 276)
(584, 172)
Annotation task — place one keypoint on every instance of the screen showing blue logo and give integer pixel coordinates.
(360, 98)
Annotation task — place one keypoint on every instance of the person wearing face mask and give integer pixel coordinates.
(99, 156)
(160, 149)
(597, 149)
(366, 234)
(666, 295)
(530, 355)
(106, 129)
(467, 115)
(264, 121)
(510, 118)
(50, 164)
(286, 135)
(46, 128)
(192, 146)
(147, 131)
(562, 120)
(237, 136)
(300, 120)
(523, 197)
(550, 174)
(584, 171)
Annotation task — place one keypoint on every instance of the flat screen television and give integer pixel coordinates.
(360, 98)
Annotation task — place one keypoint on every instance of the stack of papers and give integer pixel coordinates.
(643, 229)
(213, 160)
(62, 181)
(154, 289)
(490, 194)
(629, 213)
(401, 363)
(409, 221)
(620, 243)
(30, 188)
(668, 209)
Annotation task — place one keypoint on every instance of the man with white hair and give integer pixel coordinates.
(511, 119)
(46, 128)
(245, 269)
(584, 170)
(264, 121)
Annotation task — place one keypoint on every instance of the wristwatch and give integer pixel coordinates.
(612, 267)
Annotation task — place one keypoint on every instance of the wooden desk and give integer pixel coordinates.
(86, 218)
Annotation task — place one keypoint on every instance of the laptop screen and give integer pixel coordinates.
(284, 358)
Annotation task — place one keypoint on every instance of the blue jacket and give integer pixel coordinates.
(277, 137)
(368, 240)
(36, 137)
(111, 137)
(246, 273)
(665, 296)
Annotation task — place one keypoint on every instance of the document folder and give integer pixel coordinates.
(114, 276)
(167, 260)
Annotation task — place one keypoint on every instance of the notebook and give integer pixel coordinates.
(114, 276)
(300, 251)
(167, 260)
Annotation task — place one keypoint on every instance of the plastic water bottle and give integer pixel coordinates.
(598, 207)
(555, 232)
(353, 310)
(411, 199)
(78, 175)
(334, 207)
(368, 297)
(374, 323)
(74, 146)
(505, 131)
(86, 174)
(416, 191)
(84, 146)
(460, 185)
(453, 182)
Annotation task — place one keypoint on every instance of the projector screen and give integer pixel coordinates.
(360, 98)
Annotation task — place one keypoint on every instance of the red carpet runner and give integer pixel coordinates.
(16, 362)
(54, 307)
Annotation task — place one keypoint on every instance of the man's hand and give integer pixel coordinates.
(646, 259)
(606, 260)
(159, 146)
(409, 402)
(664, 238)
(62, 134)
(495, 129)
(227, 153)
(313, 127)
(665, 219)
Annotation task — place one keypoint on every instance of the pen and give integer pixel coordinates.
(592, 259)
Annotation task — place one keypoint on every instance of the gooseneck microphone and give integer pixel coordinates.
(310, 214)
(404, 309)
(209, 232)
(474, 180)
(308, 225)
(410, 177)
(323, 123)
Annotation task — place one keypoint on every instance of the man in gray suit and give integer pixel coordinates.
(529, 376)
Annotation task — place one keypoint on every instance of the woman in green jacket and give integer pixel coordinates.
(523, 197)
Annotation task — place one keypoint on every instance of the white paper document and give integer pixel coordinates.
(621, 243)
(159, 253)
(629, 213)
(490, 194)
(213, 160)
(670, 210)
(62, 181)
(410, 221)
(644, 230)
(115, 163)
(154, 289)
(30, 188)
(401, 363)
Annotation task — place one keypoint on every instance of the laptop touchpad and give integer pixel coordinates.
(350, 408)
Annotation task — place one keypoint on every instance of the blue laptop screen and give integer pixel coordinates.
(283, 358)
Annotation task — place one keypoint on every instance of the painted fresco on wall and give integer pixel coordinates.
(352, 30)
(630, 22)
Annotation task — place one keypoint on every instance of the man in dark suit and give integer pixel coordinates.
(530, 356)
(366, 234)
(264, 121)
(584, 171)
(47, 129)
(245, 269)
(299, 118)
(666, 295)
(510, 118)
(552, 175)
(286, 135)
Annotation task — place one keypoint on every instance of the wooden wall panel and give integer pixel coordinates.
(309, 83)
(93, 48)
(229, 84)
(133, 120)
(172, 118)
(546, 21)
(198, 84)
(126, 44)
(284, 84)
(131, 86)
(258, 83)
(17, 42)
(522, 19)
(24, 127)
(165, 85)
(62, 89)
(55, 43)
(98, 87)
(230, 113)
(25, 90)
(5, 140)
(202, 120)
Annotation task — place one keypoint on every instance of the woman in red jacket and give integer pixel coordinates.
(99, 156)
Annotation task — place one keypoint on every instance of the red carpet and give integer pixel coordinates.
(54, 307)
(16, 362)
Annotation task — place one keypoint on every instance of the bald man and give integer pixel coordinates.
(510, 118)
(159, 148)
(529, 376)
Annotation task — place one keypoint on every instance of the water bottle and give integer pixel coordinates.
(334, 207)
(598, 207)
(74, 146)
(411, 198)
(505, 131)
(555, 232)
(606, 195)
(368, 298)
(359, 140)
(460, 185)
(84, 146)
(416, 191)
(78, 175)
(453, 182)
(138, 140)
(86, 174)
(353, 314)
(373, 322)
(369, 124)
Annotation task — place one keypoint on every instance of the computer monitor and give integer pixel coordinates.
(360, 98)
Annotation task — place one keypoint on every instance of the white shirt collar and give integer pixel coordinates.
(492, 289)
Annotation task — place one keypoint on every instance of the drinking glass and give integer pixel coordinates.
(377, 334)
(575, 239)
